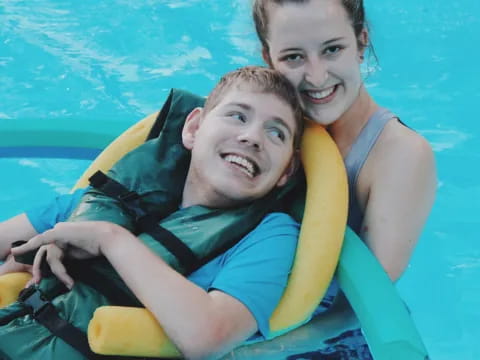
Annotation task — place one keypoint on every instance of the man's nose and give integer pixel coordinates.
(251, 137)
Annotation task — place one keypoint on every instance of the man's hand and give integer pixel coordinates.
(11, 266)
(53, 255)
(79, 240)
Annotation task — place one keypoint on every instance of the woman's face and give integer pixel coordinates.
(314, 45)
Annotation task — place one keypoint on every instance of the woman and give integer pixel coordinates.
(319, 46)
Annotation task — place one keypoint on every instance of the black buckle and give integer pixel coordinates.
(129, 196)
(33, 298)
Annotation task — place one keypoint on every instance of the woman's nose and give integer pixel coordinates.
(316, 73)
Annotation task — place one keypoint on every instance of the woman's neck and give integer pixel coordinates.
(346, 129)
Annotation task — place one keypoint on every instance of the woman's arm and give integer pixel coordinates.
(403, 182)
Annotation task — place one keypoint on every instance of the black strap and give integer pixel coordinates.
(182, 252)
(160, 120)
(147, 223)
(130, 200)
(4, 320)
(84, 271)
(43, 311)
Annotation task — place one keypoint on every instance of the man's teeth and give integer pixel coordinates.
(321, 94)
(244, 164)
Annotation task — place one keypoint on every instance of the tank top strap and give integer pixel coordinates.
(357, 156)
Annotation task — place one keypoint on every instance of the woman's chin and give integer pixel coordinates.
(321, 118)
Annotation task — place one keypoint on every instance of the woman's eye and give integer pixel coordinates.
(332, 50)
(293, 58)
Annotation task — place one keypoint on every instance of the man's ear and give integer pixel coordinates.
(266, 57)
(291, 168)
(190, 128)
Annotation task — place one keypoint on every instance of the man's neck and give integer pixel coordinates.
(205, 196)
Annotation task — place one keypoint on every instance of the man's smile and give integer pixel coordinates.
(245, 164)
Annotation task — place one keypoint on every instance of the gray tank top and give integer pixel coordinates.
(356, 158)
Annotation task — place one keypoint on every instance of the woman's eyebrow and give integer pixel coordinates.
(292, 49)
(333, 40)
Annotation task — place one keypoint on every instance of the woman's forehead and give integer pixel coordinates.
(317, 20)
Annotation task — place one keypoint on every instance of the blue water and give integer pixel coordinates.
(116, 60)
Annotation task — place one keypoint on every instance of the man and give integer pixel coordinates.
(242, 146)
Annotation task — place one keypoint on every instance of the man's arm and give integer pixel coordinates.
(202, 324)
(14, 229)
(31, 223)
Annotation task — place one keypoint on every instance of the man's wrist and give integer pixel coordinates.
(112, 237)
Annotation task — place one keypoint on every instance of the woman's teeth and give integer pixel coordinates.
(319, 95)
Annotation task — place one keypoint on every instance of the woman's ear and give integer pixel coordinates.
(362, 40)
(190, 128)
(266, 57)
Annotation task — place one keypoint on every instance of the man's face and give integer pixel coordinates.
(241, 149)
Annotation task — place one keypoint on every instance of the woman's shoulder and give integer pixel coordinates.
(398, 142)
(400, 155)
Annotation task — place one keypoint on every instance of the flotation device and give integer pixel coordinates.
(141, 194)
(313, 269)
(11, 285)
(316, 256)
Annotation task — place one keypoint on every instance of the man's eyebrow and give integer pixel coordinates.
(275, 119)
(283, 123)
(241, 105)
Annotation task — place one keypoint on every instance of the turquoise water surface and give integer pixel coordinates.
(116, 61)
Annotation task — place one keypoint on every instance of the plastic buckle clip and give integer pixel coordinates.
(34, 300)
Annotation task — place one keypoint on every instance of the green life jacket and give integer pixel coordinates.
(147, 194)
(142, 193)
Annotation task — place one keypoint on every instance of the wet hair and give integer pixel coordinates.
(264, 80)
(354, 9)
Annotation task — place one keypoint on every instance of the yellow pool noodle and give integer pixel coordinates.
(128, 331)
(11, 285)
(321, 233)
(134, 331)
(133, 137)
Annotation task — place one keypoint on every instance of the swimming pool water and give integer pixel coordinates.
(116, 60)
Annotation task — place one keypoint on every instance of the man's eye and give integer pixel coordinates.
(277, 133)
(238, 116)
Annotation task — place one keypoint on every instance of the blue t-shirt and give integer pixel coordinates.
(254, 271)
